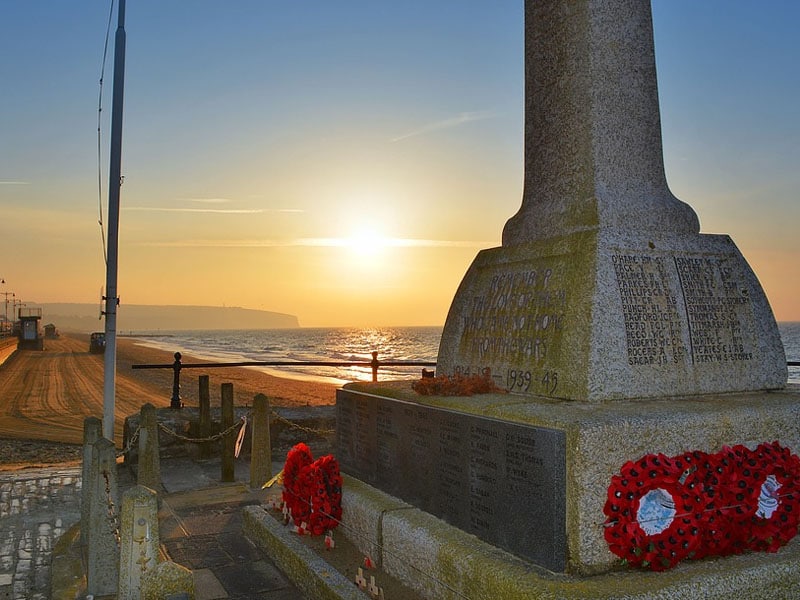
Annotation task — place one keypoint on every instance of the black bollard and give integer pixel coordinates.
(375, 364)
(175, 401)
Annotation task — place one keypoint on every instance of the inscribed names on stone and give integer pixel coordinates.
(683, 309)
(502, 481)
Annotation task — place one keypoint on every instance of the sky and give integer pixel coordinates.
(345, 162)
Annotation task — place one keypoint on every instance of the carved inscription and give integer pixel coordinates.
(491, 478)
(512, 326)
(649, 306)
(718, 308)
(451, 469)
(387, 441)
(717, 326)
(344, 432)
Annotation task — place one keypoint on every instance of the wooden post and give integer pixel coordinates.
(260, 447)
(206, 450)
(148, 472)
(228, 442)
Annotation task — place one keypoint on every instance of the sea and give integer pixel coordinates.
(343, 344)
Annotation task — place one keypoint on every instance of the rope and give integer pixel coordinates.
(99, 137)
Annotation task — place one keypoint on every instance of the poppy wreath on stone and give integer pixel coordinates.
(762, 488)
(297, 459)
(312, 490)
(653, 511)
(325, 492)
(661, 510)
(717, 532)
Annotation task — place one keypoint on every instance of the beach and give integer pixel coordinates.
(46, 395)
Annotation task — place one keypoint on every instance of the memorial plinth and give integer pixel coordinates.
(615, 327)
(605, 315)
(541, 467)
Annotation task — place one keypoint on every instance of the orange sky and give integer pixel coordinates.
(347, 165)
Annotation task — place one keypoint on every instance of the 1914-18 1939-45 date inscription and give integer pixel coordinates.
(511, 325)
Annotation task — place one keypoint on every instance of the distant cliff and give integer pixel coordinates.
(141, 318)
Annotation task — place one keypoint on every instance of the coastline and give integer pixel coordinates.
(41, 419)
(247, 381)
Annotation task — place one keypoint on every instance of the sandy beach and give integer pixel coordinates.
(46, 395)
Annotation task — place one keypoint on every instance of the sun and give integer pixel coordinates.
(366, 246)
(366, 241)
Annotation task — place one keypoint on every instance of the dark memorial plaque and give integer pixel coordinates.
(503, 482)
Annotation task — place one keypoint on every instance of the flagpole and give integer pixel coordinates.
(114, 185)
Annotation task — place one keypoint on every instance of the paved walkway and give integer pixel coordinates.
(36, 507)
(200, 528)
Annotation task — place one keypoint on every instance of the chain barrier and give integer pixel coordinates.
(235, 427)
(111, 514)
(293, 425)
(214, 438)
(129, 446)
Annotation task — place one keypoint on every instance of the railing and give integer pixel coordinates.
(374, 364)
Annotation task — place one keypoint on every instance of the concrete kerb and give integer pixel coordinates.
(300, 564)
(442, 562)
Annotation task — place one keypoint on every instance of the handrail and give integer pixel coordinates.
(177, 366)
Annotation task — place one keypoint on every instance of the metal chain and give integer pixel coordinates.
(212, 438)
(230, 430)
(113, 518)
(293, 425)
(131, 442)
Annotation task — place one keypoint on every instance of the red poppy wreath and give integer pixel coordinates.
(312, 490)
(661, 510)
(761, 490)
(653, 514)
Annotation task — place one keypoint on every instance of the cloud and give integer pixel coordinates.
(7, 182)
(210, 200)
(459, 119)
(228, 211)
(323, 243)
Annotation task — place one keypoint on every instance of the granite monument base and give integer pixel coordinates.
(605, 315)
(541, 466)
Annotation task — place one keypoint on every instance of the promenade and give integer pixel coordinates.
(200, 527)
(46, 395)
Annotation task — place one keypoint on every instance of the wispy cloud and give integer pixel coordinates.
(456, 121)
(7, 182)
(228, 211)
(209, 200)
(234, 211)
(323, 243)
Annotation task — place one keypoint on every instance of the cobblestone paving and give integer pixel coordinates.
(36, 507)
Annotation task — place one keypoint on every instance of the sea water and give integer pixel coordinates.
(412, 344)
(339, 344)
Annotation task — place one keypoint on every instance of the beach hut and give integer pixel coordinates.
(30, 336)
(50, 332)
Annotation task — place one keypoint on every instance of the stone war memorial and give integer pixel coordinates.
(622, 340)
